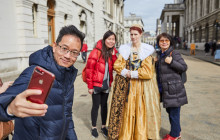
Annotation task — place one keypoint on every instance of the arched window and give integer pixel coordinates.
(83, 25)
(65, 19)
(190, 35)
(200, 33)
(50, 19)
(34, 18)
(195, 32)
(207, 32)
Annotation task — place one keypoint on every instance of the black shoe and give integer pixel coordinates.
(104, 132)
(94, 132)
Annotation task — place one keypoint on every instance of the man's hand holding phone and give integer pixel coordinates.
(31, 101)
(21, 107)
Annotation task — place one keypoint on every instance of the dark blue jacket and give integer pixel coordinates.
(57, 124)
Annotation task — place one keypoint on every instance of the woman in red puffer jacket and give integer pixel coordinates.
(99, 76)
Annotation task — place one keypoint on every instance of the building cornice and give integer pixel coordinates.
(203, 18)
(85, 6)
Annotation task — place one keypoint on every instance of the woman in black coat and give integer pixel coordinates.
(170, 65)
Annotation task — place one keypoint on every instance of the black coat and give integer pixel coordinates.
(173, 90)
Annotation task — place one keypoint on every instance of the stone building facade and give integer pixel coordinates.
(202, 21)
(172, 19)
(158, 27)
(128, 21)
(29, 25)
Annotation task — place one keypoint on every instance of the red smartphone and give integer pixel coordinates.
(43, 80)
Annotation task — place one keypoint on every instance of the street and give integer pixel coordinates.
(200, 118)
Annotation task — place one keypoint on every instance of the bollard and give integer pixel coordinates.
(192, 49)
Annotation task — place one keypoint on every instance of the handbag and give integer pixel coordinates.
(6, 128)
(103, 88)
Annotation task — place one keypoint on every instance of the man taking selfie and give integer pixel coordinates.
(52, 120)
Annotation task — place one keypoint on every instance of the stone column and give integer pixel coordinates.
(181, 26)
(170, 24)
(164, 25)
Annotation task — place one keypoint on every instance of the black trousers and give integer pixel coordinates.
(97, 99)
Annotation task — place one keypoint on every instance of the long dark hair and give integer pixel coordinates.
(107, 53)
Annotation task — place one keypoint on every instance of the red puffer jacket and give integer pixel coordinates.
(95, 68)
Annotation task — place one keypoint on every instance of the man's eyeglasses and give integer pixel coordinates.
(65, 50)
(166, 41)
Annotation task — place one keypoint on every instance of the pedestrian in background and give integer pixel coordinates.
(169, 66)
(99, 76)
(207, 48)
(84, 51)
(135, 108)
(217, 52)
(213, 48)
(52, 120)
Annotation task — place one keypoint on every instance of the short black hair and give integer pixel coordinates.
(70, 30)
(165, 35)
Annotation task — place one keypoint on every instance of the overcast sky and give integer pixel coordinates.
(149, 10)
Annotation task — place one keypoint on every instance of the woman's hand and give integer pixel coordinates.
(155, 59)
(168, 59)
(128, 74)
(91, 91)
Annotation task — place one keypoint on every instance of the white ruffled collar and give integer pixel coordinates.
(145, 50)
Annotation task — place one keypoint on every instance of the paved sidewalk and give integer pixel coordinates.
(200, 54)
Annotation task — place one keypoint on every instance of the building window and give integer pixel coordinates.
(195, 10)
(50, 20)
(200, 33)
(195, 35)
(208, 7)
(83, 25)
(34, 18)
(207, 32)
(201, 8)
(191, 12)
(216, 4)
(65, 19)
(190, 35)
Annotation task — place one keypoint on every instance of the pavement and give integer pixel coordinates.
(196, 125)
(200, 54)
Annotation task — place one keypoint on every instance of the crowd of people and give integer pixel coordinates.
(214, 47)
(142, 82)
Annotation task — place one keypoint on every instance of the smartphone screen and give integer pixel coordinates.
(42, 80)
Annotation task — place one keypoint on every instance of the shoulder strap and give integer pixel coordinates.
(171, 53)
(99, 53)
